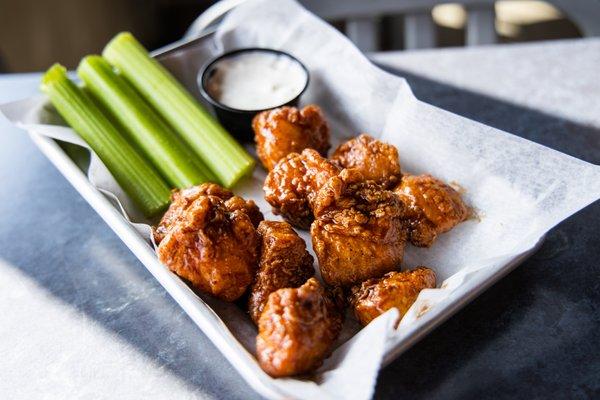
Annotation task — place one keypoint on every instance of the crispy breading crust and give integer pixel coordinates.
(181, 200)
(433, 207)
(214, 245)
(358, 232)
(286, 130)
(293, 183)
(376, 160)
(284, 263)
(374, 297)
(297, 330)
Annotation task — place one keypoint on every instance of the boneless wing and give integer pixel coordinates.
(297, 330)
(182, 199)
(291, 186)
(376, 160)
(286, 130)
(284, 263)
(433, 207)
(358, 232)
(375, 296)
(212, 245)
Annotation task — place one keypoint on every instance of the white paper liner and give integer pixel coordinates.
(520, 189)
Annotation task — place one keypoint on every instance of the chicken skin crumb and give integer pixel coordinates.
(358, 232)
(182, 199)
(286, 130)
(376, 160)
(292, 185)
(395, 289)
(284, 263)
(214, 245)
(433, 207)
(297, 330)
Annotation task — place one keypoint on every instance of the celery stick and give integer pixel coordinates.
(227, 158)
(135, 175)
(156, 140)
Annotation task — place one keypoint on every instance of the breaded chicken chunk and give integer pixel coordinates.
(433, 207)
(358, 232)
(284, 263)
(286, 130)
(293, 183)
(214, 246)
(297, 330)
(181, 200)
(375, 296)
(376, 160)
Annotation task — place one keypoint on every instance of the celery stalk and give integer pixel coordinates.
(155, 139)
(227, 158)
(135, 175)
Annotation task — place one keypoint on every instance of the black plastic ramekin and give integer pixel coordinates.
(239, 122)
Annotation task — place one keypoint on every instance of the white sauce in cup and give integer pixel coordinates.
(255, 80)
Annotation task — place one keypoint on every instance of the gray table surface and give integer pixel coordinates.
(80, 317)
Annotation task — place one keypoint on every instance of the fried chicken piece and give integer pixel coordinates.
(248, 207)
(395, 289)
(433, 207)
(286, 130)
(181, 200)
(297, 330)
(358, 232)
(284, 263)
(214, 245)
(293, 183)
(376, 160)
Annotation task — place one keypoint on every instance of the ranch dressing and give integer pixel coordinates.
(256, 80)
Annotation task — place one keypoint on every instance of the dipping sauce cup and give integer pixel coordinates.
(241, 83)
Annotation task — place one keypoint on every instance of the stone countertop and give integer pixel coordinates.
(80, 317)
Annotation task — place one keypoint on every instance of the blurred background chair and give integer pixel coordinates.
(35, 33)
(413, 23)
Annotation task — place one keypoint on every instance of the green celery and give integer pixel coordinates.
(226, 157)
(135, 175)
(156, 140)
